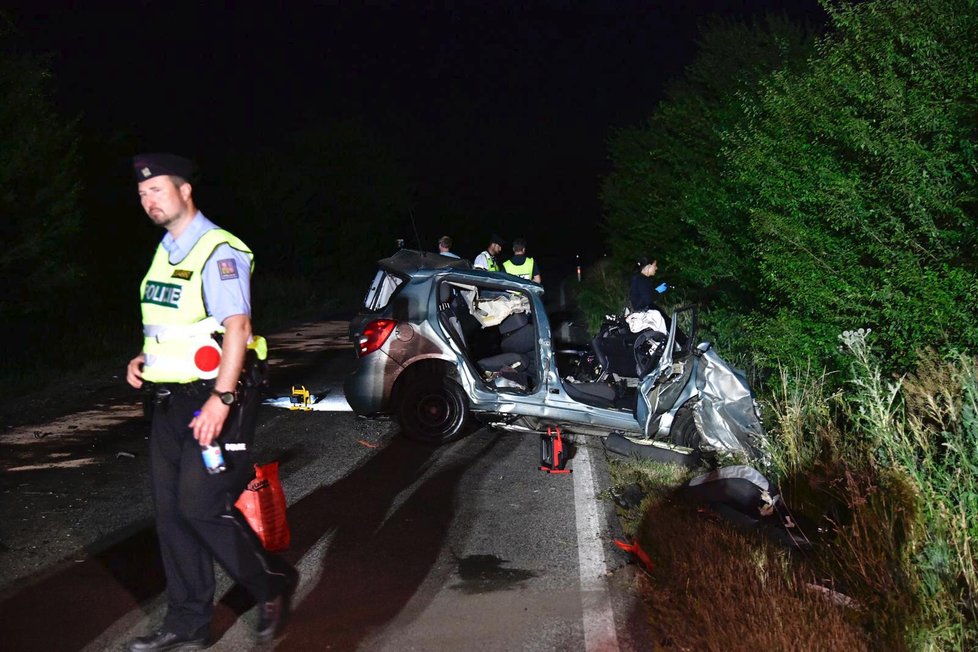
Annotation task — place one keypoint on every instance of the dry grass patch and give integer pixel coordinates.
(714, 588)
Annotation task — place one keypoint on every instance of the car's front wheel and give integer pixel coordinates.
(684, 431)
(433, 410)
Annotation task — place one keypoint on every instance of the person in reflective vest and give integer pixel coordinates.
(202, 364)
(520, 264)
(487, 259)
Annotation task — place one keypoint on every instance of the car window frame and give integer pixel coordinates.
(383, 277)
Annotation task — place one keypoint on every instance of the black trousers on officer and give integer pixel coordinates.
(196, 520)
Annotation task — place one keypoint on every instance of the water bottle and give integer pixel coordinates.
(213, 458)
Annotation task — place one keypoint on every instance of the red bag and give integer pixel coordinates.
(263, 506)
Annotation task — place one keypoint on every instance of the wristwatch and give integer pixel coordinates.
(228, 398)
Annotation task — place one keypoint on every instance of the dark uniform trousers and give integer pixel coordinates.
(196, 520)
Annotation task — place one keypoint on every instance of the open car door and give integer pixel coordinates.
(667, 387)
(692, 385)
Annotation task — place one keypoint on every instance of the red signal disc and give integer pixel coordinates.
(207, 358)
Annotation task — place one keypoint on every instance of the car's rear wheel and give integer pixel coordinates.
(433, 410)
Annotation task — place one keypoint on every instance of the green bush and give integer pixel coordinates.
(858, 176)
(603, 291)
(669, 194)
(802, 192)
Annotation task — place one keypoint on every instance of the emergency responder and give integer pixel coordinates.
(640, 291)
(520, 264)
(202, 365)
(487, 259)
(445, 246)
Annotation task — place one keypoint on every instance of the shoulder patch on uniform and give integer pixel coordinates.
(228, 269)
(184, 274)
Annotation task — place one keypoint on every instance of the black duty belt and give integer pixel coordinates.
(161, 392)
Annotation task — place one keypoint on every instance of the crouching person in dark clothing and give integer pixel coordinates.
(196, 307)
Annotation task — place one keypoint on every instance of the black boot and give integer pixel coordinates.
(274, 613)
(164, 639)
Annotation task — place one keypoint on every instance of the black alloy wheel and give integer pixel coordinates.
(433, 410)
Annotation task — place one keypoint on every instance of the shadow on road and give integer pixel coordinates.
(376, 559)
(76, 602)
(374, 564)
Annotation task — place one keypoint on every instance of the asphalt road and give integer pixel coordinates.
(400, 546)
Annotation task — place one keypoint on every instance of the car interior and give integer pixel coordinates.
(495, 329)
(623, 358)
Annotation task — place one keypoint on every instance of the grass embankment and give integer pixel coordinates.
(883, 472)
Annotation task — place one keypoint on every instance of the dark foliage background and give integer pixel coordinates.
(799, 191)
(795, 185)
(321, 130)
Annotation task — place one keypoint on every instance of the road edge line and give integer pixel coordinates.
(598, 617)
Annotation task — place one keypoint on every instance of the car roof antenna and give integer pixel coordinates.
(415, 227)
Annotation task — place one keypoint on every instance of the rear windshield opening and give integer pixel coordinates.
(381, 289)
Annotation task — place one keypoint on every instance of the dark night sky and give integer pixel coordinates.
(504, 105)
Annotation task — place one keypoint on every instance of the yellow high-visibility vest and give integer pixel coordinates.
(491, 264)
(179, 338)
(523, 271)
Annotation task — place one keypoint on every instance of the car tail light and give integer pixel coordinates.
(374, 335)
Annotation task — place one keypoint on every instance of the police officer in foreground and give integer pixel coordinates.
(202, 365)
(520, 264)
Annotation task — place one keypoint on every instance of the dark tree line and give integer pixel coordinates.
(800, 188)
(318, 209)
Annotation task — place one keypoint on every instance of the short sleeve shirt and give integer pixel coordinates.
(482, 261)
(227, 273)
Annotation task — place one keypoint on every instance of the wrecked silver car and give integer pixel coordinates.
(439, 345)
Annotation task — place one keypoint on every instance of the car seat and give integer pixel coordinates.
(447, 299)
(627, 354)
(518, 334)
(509, 370)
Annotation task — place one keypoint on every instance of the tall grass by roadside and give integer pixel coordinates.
(881, 471)
(714, 588)
(891, 466)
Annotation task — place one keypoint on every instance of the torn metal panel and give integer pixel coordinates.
(726, 414)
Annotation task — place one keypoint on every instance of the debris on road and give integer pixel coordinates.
(635, 549)
(744, 497)
(629, 496)
(300, 398)
(328, 401)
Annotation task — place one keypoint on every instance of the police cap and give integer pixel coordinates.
(147, 166)
(497, 239)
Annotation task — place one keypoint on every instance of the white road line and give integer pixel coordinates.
(599, 619)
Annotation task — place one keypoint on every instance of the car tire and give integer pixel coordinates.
(433, 410)
(684, 431)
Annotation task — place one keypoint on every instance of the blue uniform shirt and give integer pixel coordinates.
(227, 273)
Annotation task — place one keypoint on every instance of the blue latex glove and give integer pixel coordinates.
(662, 287)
